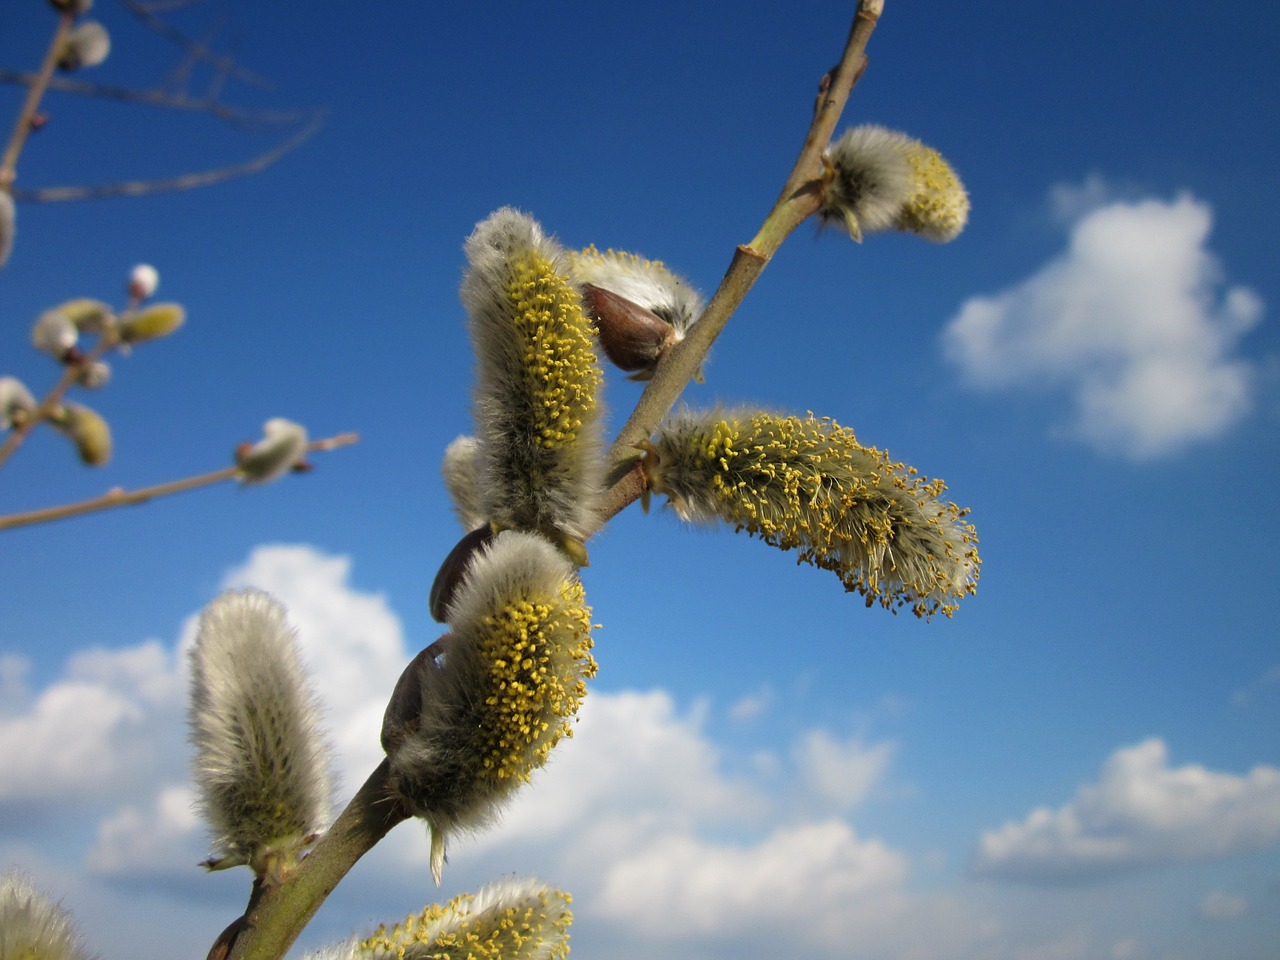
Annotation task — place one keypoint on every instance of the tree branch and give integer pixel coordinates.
(277, 914)
(133, 188)
(9, 163)
(799, 199)
(124, 498)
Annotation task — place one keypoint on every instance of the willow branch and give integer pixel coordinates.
(800, 198)
(277, 914)
(194, 48)
(168, 100)
(70, 375)
(125, 498)
(133, 188)
(22, 127)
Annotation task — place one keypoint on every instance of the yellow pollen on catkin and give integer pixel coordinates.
(560, 369)
(939, 206)
(453, 931)
(808, 485)
(539, 657)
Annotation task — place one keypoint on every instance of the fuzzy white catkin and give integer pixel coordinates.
(15, 401)
(536, 404)
(648, 283)
(33, 926)
(262, 764)
(282, 447)
(462, 480)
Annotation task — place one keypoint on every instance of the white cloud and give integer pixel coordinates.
(149, 839)
(1141, 812)
(1221, 906)
(88, 736)
(840, 773)
(1132, 321)
(682, 886)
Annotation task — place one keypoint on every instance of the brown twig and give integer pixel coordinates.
(164, 99)
(9, 163)
(124, 498)
(133, 188)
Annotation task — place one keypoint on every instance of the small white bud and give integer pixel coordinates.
(16, 402)
(143, 281)
(281, 449)
(8, 226)
(55, 334)
(93, 376)
(87, 46)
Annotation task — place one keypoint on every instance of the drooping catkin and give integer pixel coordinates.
(881, 179)
(808, 485)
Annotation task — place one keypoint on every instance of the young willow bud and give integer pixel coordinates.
(808, 485)
(86, 46)
(143, 280)
(94, 376)
(87, 430)
(8, 226)
(461, 474)
(641, 308)
(32, 926)
(281, 449)
(881, 179)
(55, 333)
(89, 315)
(536, 410)
(463, 732)
(16, 403)
(516, 919)
(152, 323)
(454, 569)
(261, 763)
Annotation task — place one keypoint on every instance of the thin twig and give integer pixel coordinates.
(205, 178)
(166, 99)
(193, 47)
(799, 199)
(124, 498)
(9, 164)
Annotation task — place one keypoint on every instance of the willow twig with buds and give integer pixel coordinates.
(124, 498)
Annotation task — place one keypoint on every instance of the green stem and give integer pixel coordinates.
(278, 914)
(800, 197)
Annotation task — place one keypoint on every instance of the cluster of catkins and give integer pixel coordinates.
(60, 333)
(479, 710)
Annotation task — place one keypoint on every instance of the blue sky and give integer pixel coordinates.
(1083, 763)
